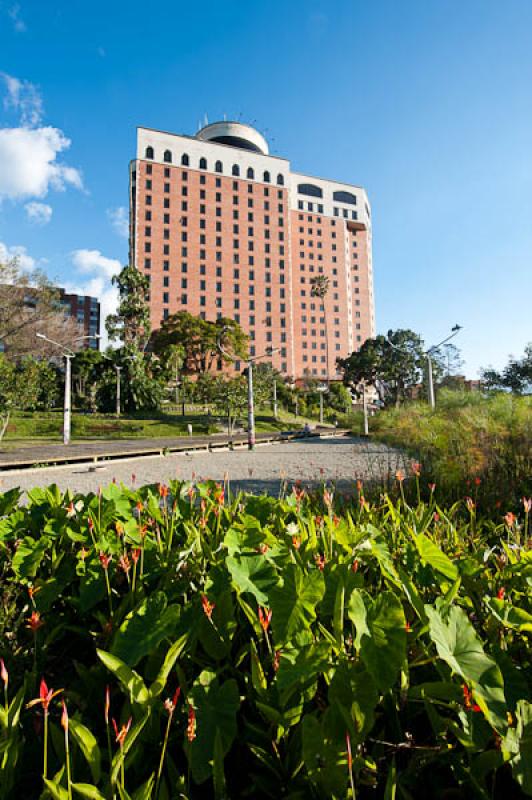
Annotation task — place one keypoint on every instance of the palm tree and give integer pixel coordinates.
(320, 287)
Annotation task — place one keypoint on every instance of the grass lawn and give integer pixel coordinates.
(47, 427)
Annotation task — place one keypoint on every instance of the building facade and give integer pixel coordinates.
(221, 228)
(85, 311)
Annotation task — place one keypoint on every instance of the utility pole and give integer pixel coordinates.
(275, 410)
(117, 368)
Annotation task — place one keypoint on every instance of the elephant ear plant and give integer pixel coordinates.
(203, 644)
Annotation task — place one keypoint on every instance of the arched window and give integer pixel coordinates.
(345, 197)
(309, 189)
(149, 152)
(250, 174)
(266, 177)
(167, 156)
(218, 167)
(236, 169)
(203, 163)
(185, 161)
(280, 180)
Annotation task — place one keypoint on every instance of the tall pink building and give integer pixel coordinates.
(223, 228)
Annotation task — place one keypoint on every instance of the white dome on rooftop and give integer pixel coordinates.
(234, 134)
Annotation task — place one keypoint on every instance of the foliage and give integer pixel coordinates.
(486, 441)
(199, 339)
(143, 381)
(131, 323)
(516, 376)
(263, 647)
(28, 385)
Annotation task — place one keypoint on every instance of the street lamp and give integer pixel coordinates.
(68, 354)
(428, 355)
(251, 404)
(322, 390)
(118, 370)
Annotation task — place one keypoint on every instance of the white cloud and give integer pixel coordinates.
(119, 219)
(99, 285)
(14, 15)
(39, 213)
(24, 98)
(20, 253)
(28, 166)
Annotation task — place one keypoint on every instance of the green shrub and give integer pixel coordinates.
(260, 647)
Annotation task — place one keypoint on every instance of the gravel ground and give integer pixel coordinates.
(311, 461)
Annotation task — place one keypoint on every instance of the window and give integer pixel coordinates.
(345, 197)
(266, 177)
(167, 156)
(185, 161)
(309, 189)
(149, 169)
(203, 163)
(236, 170)
(218, 167)
(280, 180)
(149, 152)
(250, 174)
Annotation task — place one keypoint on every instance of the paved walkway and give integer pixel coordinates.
(265, 469)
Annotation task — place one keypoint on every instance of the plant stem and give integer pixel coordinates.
(122, 771)
(163, 753)
(45, 754)
(108, 584)
(69, 775)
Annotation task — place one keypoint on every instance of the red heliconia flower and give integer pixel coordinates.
(432, 486)
(296, 541)
(120, 735)
(355, 565)
(71, 510)
(327, 498)
(105, 560)
(263, 548)
(359, 485)
(478, 481)
(163, 490)
(64, 716)
(119, 528)
(4, 674)
(191, 726)
(470, 504)
(510, 519)
(32, 591)
(35, 622)
(90, 523)
(135, 554)
(436, 517)
(468, 700)
(408, 627)
(318, 521)
(107, 705)
(265, 617)
(124, 563)
(320, 562)
(208, 607)
(139, 506)
(349, 753)
(400, 475)
(416, 468)
(46, 696)
(501, 593)
(219, 495)
(527, 504)
(170, 704)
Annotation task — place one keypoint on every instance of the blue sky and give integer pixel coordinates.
(427, 103)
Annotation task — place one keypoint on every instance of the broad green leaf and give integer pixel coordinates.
(358, 616)
(390, 792)
(145, 791)
(294, 603)
(28, 557)
(57, 791)
(258, 677)
(216, 707)
(354, 695)
(171, 657)
(431, 554)
(130, 740)
(519, 742)
(383, 649)
(124, 795)
(325, 758)
(253, 574)
(218, 775)
(509, 615)
(144, 628)
(338, 616)
(88, 746)
(130, 680)
(459, 646)
(299, 668)
(88, 790)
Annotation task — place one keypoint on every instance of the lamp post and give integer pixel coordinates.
(428, 355)
(275, 411)
(68, 354)
(321, 389)
(251, 403)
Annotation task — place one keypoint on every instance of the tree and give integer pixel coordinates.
(319, 288)
(131, 323)
(87, 368)
(199, 339)
(515, 377)
(7, 393)
(391, 365)
(30, 303)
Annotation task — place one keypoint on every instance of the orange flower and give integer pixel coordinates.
(4, 674)
(35, 622)
(327, 498)
(408, 627)
(468, 700)
(191, 727)
(135, 554)
(139, 506)
(64, 715)
(478, 481)
(359, 485)
(265, 617)
(510, 519)
(105, 560)
(416, 468)
(219, 495)
(400, 475)
(436, 516)
(263, 549)
(124, 563)
(501, 593)
(123, 732)
(527, 504)
(107, 705)
(32, 591)
(296, 541)
(208, 607)
(170, 705)
(46, 696)
(355, 565)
